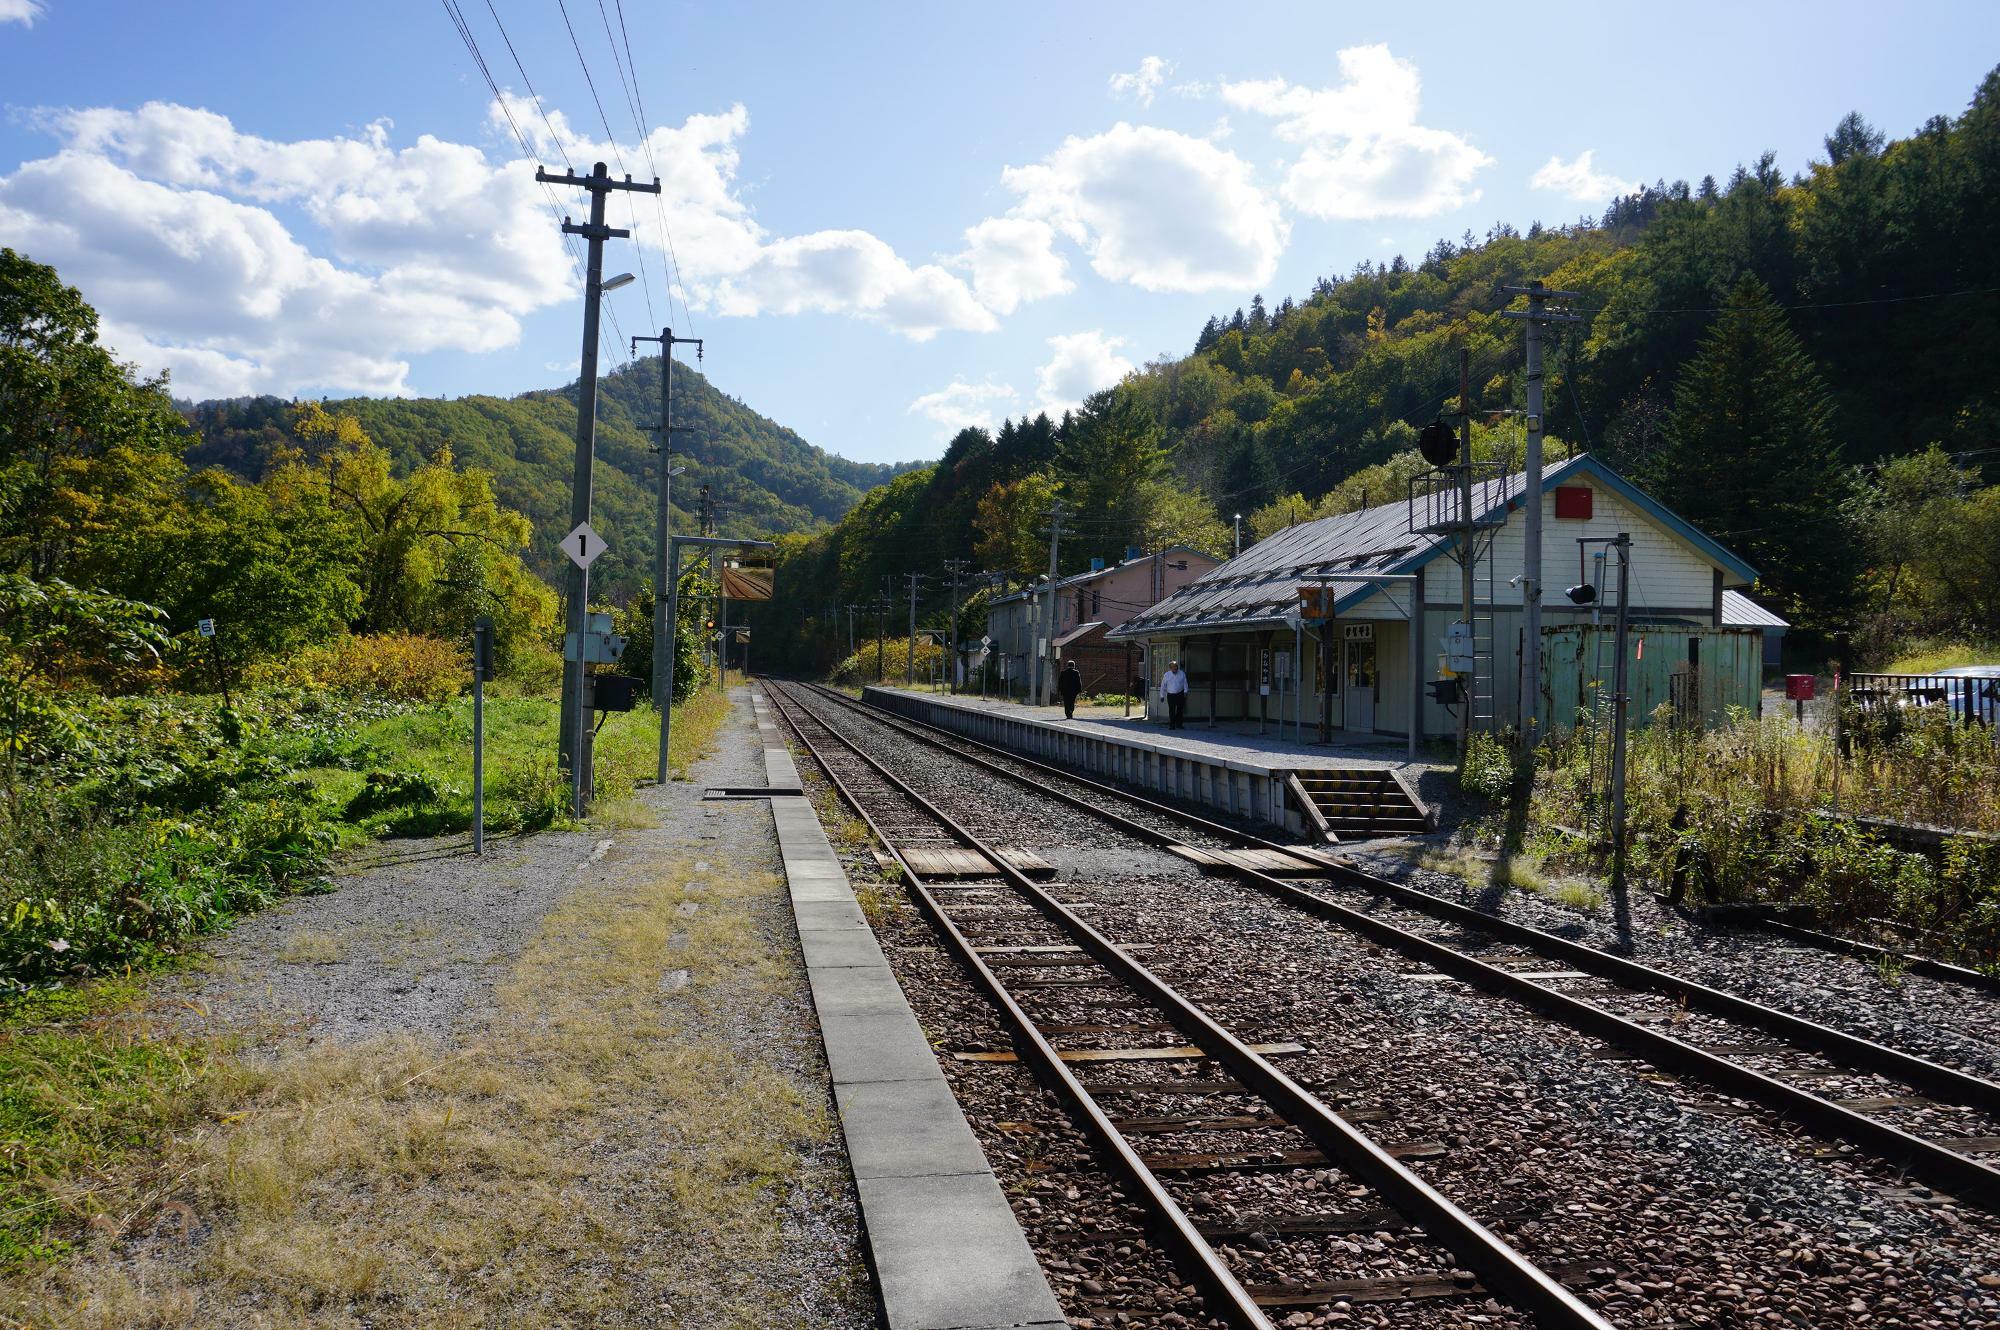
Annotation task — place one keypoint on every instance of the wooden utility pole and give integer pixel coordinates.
(575, 727)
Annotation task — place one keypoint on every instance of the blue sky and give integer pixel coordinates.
(887, 220)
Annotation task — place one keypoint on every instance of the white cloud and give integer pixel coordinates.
(959, 404)
(1158, 209)
(245, 264)
(1362, 153)
(1143, 82)
(730, 263)
(23, 12)
(1580, 179)
(1013, 261)
(1082, 363)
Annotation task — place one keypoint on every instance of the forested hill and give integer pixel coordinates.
(766, 478)
(1758, 348)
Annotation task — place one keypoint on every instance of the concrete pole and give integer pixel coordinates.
(1467, 542)
(1531, 562)
(1620, 704)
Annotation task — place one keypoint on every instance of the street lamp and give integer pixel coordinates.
(610, 284)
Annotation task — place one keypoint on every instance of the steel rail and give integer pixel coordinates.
(1934, 1078)
(1504, 1271)
(1223, 1292)
(1928, 966)
(1943, 1167)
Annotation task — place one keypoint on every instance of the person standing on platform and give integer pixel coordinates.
(1174, 689)
(1069, 683)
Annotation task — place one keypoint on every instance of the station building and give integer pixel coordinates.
(1366, 651)
(1088, 606)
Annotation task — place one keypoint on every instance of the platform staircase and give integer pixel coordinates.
(1359, 803)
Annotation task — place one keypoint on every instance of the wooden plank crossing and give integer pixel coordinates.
(1272, 863)
(943, 861)
(1174, 1053)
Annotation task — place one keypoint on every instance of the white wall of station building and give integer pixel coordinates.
(1671, 578)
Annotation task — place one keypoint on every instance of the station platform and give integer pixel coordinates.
(1230, 767)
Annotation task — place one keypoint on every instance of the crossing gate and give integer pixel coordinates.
(1698, 672)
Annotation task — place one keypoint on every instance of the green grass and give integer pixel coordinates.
(84, 1089)
(523, 788)
(1930, 657)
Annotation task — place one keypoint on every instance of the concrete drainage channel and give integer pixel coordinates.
(946, 1250)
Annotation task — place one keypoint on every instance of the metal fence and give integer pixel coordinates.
(1968, 698)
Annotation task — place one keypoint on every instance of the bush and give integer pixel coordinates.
(1488, 768)
(859, 668)
(405, 667)
(396, 789)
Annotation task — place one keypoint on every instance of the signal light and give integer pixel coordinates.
(1585, 594)
(1438, 444)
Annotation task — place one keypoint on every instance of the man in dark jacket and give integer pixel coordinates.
(1069, 683)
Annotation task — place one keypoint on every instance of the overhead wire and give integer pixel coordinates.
(674, 280)
(463, 27)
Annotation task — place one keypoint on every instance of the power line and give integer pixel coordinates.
(456, 14)
(659, 202)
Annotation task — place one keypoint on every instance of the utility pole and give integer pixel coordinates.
(956, 567)
(1535, 315)
(666, 593)
(1620, 704)
(1038, 679)
(574, 754)
(850, 627)
(1468, 549)
(881, 608)
(910, 661)
(708, 529)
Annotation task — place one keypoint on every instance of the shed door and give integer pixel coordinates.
(1360, 686)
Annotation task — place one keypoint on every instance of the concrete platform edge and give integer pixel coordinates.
(945, 1248)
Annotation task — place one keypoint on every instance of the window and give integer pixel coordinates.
(1573, 501)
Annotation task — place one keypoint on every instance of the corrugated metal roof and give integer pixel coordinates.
(1739, 611)
(1256, 589)
(1259, 586)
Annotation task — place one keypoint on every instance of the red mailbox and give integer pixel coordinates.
(1799, 687)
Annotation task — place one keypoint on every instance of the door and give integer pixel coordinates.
(1360, 714)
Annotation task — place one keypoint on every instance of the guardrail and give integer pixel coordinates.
(1970, 699)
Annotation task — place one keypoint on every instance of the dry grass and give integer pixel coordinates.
(310, 946)
(1522, 872)
(605, 1153)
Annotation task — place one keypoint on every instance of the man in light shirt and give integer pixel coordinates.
(1174, 690)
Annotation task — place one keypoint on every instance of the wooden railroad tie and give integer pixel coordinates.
(946, 861)
(1271, 863)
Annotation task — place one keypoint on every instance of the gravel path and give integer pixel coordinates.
(1701, 1209)
(418, 937)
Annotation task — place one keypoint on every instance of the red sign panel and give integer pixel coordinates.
(1799, 687)
(1573, 501)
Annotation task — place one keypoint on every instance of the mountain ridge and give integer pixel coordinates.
(767, 478)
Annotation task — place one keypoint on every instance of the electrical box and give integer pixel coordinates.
(610, 692)
(601, 646)
(1458, 648)
(482, 648)
(1799, 687)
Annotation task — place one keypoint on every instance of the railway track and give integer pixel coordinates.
(1158, 1112)
(1939, 1123)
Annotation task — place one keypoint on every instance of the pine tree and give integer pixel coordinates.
(1752, 458)
(1210, 332)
